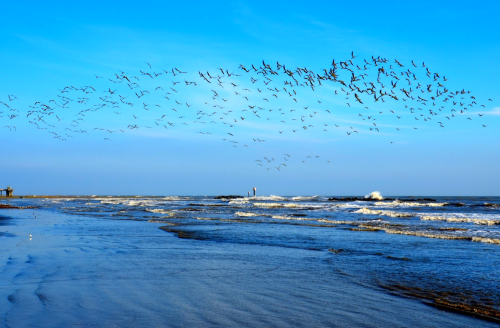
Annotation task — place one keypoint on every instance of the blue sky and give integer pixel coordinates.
(46, 47)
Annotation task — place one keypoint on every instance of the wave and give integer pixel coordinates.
(392, 229)
(283, 217)
(338, 222)
(287, 205)
(174, 198)
(238, 201)
(126, 201)
(375, 195)
(459, 220)
(246, 214)
(425, 234)
(272, 197)
(270, 205)
(487, 240)
(385, 213)
(302, 198)
(350, 205)
(160, 211)
(408, 204)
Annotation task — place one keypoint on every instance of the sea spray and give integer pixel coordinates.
(375, 195)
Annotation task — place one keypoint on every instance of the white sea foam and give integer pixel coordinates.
(135, 203)
(268, 204)
(486, 240)
(460, 219)
(286, 205)
(385, 213)
(338, 221)
(428, 234)
(408, 204)
(425, 234)
(272, 197)
(127, 201)
(283, 217)
(172, 198)
(375, 195)
(238, 201)
(110, 202)
(160, 211)
(247, 214)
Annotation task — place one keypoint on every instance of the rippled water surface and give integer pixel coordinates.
(443, 252)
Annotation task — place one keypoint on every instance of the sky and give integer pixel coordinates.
(178, 146)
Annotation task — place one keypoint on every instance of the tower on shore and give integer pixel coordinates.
(8, 192)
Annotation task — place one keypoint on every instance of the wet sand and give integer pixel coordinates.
(89, 272)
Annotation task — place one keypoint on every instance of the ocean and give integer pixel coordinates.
(266, 261)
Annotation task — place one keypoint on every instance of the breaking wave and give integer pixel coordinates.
(460, 220)
(271, 205)
(160, 211)
(385, 213)
(246, 214)
(173, 198)
(284, 217)
(408, 204)
(375, 195)
(238, 201)
(487, 240)
(272, 197)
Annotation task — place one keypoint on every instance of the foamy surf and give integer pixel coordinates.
(160, 211)
(284, 217)
(408, 204)
(174, 198)
(238, 201)
(338, 221)
(439, 233)
(272, 197)
(247, 214)
(375, 195)
(459, 220)
(486, 240)
(288, 205)
(385, 213)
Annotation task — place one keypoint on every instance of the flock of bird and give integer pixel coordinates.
(253, 103)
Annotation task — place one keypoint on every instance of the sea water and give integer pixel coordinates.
(258, 261)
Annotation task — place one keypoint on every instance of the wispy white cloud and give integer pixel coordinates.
(494, 111)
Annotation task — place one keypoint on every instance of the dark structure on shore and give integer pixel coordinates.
(8, 191)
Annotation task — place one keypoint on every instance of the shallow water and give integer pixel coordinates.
(268, 261)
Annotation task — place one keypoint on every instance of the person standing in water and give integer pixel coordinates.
(254, 191)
